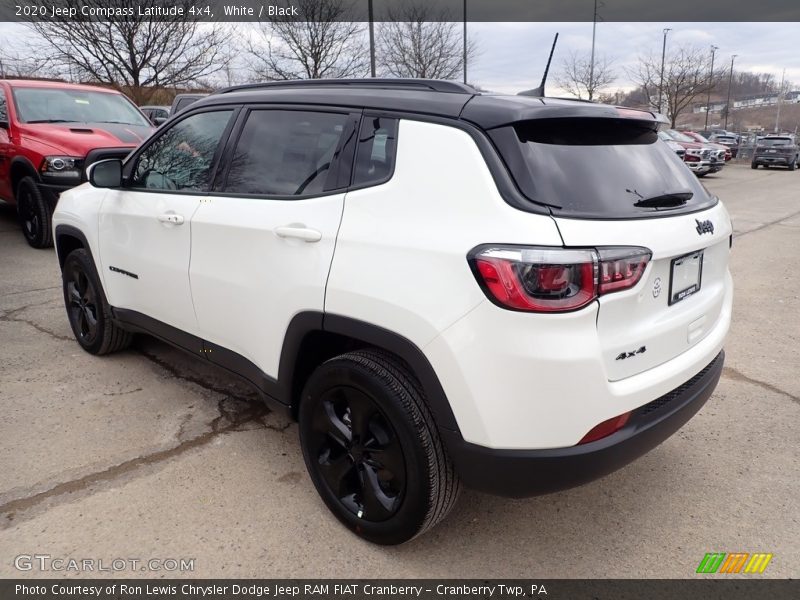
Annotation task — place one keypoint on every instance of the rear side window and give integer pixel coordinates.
(377, 148)
(597, 167)
(285, 153)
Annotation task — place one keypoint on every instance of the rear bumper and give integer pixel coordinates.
(773, 160)
(521, 473)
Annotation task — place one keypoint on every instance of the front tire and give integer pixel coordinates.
(753, 165)
(35, 213)
(88, 312)
(372, 448)
(792, 166)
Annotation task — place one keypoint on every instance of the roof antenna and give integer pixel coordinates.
(539, 91)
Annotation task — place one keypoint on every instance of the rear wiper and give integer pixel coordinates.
(673, 200)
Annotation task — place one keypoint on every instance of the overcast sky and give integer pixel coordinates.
(513, 55)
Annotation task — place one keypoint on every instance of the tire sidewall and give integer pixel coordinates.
(43, 237)
(415, 505)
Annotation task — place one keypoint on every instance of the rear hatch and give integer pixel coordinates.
(610, 183)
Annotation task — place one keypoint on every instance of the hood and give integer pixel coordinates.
(692, 145)
(76, 139)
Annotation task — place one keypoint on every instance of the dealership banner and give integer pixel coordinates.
(781, 11)
(408, 589)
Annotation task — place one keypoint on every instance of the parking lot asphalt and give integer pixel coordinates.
(151, 454)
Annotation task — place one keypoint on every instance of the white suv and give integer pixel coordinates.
(516, 294)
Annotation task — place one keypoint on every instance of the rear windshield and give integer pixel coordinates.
(776, 142)
(599, 168)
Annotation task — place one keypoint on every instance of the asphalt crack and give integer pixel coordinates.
(765, 225)
(10, 317)
(735, 375)
(235, 415)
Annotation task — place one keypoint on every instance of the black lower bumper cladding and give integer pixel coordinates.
(521, 473)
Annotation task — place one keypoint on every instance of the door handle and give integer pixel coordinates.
(171, 218)
(298, 233)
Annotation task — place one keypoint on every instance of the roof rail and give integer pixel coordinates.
(432, 85)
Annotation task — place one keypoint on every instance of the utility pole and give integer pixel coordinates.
(663, 60)
(710, 84)
(728, 103)
(465, 41)
(591, 62)
(371, 38)
(780, 98)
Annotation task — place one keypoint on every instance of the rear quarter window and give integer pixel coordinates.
(597, 167)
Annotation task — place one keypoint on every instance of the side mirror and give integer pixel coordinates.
(159, 121)
(105, 173)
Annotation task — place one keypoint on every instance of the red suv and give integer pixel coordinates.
(50, 131)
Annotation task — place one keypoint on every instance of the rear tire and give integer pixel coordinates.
(87, 309)
(372, 448)
(35, 213)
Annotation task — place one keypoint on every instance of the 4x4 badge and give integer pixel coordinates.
(704, 227)
(624, 355)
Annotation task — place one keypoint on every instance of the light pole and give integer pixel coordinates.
(465, 41)
(371, 38)
(710, 84)
(728, 103)
(663, 60)
(591, 63)
(780, 98)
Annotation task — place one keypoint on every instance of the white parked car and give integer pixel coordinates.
(511, 293)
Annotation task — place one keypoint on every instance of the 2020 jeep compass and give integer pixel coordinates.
(518, 294)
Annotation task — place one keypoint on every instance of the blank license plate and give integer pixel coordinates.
(685, 276)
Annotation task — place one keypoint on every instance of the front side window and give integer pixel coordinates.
(181, 159)
(377, 146)
(285, 152)
(70, 105)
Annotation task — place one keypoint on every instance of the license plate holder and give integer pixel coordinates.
(685, 276)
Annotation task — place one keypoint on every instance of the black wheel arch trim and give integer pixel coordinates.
(70, 231)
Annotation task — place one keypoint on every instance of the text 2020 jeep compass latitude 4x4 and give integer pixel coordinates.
(516, 294)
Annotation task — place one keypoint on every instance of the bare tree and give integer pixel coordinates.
(136, 54)
(327, 46)
(13, 63)
(686, 77)
(577, 77)
(415, 41)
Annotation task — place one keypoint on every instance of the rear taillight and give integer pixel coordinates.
(538, 279)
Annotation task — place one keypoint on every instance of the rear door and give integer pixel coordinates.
(610, 183)
(144, 228)
(263, 243)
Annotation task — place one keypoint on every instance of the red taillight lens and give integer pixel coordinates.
(538, 279)
(621, 268)
(605, 428)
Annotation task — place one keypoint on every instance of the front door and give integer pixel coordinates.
(145, 227)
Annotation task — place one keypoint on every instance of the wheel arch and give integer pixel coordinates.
(20, 168)
(69, 238)
(314, 337)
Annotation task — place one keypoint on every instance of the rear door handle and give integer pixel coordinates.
(298, 232)
(171, 218)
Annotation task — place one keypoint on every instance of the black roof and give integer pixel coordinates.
(423, 96)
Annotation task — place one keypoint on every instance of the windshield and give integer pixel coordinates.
(56, 105)
(776, 142)
(678, 136)
(698, 138)
(596, 167)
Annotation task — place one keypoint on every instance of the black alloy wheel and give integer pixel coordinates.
(87, 310)
(358, 452)
(372, 448)
(81, 298)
